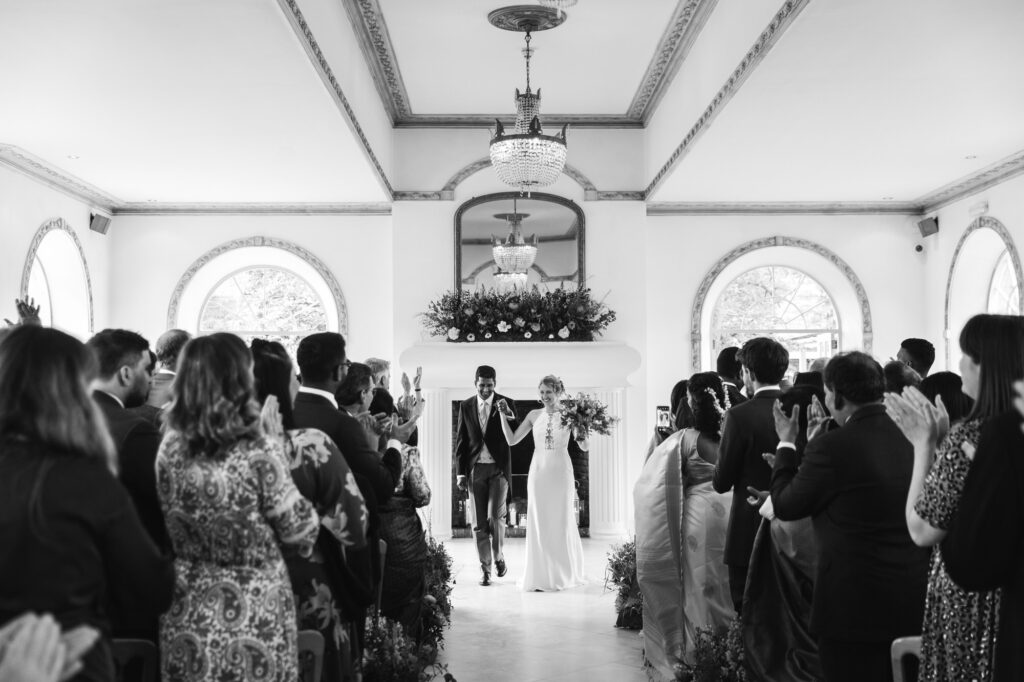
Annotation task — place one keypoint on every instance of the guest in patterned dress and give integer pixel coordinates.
(229, 503)
(960, 629)
(324, 478)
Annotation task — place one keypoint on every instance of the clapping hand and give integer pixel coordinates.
(755, 497)
(921, 422)
(28, 312)
(270, 418)
(787, 428)
(32, 649)
(816, 418)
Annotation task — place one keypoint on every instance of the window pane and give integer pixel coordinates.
(269, 303)
(782, 303)
(1004, 292)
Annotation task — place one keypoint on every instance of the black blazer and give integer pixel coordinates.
(853, 482)
(471, 438)
(137, 440)
(747, 432)
(984, 549)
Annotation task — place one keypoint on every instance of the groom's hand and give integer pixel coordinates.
(462, 484)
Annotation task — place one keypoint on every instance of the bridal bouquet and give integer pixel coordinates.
(585, 413)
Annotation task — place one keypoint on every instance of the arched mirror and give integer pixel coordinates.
(508, 241)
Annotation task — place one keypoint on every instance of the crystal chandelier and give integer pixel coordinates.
(508, 281)
(527, 158)
(513, 255)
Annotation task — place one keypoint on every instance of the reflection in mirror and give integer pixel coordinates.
(495, 233)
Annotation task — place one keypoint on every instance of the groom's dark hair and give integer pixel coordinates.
(485, 372)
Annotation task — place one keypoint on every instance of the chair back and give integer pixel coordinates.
(136, 660)
(311, 655)
(901, 649)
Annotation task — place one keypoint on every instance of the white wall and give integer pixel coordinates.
(1005, 204)
(25, 204)
(153, 252)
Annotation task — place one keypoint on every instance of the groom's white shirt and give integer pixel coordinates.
(485, 454)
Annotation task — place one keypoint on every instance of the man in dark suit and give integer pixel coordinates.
(984, 549)
(729, 368)
(747, 433)
(483, 461)
(853, 483)
(168, 347)
(323, 366)
(123, 382)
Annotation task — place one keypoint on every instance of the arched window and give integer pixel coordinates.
(782, 303)
(259, 286)
(266, 302)
(1004, 290)
(57, 277)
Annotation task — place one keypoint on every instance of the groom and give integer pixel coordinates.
(483, 460)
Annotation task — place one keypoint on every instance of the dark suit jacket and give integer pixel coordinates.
(984, 549)
(137, 440)
(160, 389)
(471, 438)
(853, 483)
(747, 432)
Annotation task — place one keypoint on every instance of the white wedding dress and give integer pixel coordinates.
(554, 552)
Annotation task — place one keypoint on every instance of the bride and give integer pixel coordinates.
(554, 553)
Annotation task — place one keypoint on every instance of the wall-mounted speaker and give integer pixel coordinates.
(928, 226)
(99, 223)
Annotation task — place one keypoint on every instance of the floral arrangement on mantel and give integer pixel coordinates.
(527, 315)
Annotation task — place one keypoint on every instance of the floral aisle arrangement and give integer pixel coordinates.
(718, 656)
(437, 608)
(585, 414)
(531, 315)
(621, 571)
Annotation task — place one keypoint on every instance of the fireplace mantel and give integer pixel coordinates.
(596, 364)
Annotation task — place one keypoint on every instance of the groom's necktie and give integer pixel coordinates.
(483, 416)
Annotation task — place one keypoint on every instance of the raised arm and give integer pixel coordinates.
(523, 429)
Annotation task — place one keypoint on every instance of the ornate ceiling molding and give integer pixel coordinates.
(371, 29)
(1002, 170)
(687, 21)
(305, 35)
(253, 208)
(783, 208)
(700, 298)
(782, 20)
(36, 168)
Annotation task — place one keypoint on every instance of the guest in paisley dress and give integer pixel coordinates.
(960, 629)
(229, 503)
(323, 477)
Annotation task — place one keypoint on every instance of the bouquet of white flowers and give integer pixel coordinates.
(585, 413)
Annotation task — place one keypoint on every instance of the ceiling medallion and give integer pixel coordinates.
(527, 158)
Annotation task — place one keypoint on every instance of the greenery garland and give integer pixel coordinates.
(531, 315)
(621, 571)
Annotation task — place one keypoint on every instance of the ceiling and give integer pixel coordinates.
(193, 105)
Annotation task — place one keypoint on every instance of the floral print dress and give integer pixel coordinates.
(232, 616)
(324, 478)
(958, 639)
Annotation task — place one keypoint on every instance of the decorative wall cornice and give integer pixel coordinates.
(54, 177)
(687, 21)
(253, 208)
(368, 21)
(665, 208)
(700, 298)
(1002, 170)
(305, 35)
(782, 20)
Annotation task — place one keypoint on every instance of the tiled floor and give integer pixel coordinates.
(500, 634)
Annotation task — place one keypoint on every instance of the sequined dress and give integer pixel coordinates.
(958, 638)
(554, 552)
